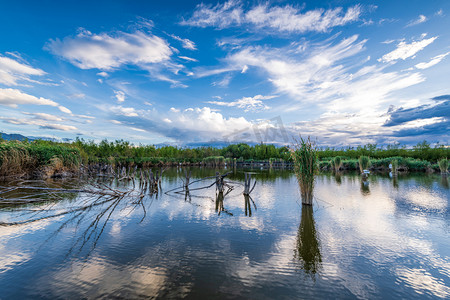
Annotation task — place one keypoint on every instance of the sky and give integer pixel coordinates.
(191, 73)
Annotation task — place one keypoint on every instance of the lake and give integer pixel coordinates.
(386, 238)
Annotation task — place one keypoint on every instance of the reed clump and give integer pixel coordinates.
(19, 159)
(394, 165)
(443, 165)
(337, 163)
(304, 155)
(364, 163)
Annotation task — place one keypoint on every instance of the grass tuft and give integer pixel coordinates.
(306, 165)
(443, 165)
(337, 163)
(364, 163)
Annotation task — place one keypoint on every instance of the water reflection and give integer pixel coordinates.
(395, 182)
(219, 204)
(338, 178)
(365, 190)
(444, 181)
(307, 250)
(188, 245)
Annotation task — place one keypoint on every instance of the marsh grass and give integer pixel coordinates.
(23, 158)
(443, 165)
(364, 163)
(394, 164)
(304, 155)
(337, 163)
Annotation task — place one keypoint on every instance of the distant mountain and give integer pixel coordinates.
(13, 136)
(19, 137)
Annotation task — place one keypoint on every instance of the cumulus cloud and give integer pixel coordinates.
(120, 96)
(192, 124)
(12, 71)
(434, 61)
(124, 111)
(405, 50)
(420, 19)
(286, 18)
(246, 103)
(107, 52)
(103, 74)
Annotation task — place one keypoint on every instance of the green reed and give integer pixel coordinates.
(306, 164)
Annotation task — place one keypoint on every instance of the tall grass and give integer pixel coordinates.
(443, 165)
(23, 158)
(364, 163)
(394, 164)
(337, 163)
(306, 164)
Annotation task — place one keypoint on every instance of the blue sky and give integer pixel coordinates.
(344, 72)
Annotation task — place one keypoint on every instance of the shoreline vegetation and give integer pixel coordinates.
(41, 158)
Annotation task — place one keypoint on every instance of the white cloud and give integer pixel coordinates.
(405, 50)
(246, 103)
(281, 18)
(38, 122)
(64, 109)
(14, 97)
(124, 111)
(12, 71)
(434, 61)
(77, 96)
(191, 124)
(44, 116)
(420, 19)
(120, 96)
(187, 43)
(187, 58)
(110, 51)
(103, 74)
(224, 82)
(322, 76)
(317, 68)
(289, 18)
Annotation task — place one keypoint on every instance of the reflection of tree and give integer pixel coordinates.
(395, 182)
(444, 181)
(365, 190)
(247, 202)
(337, 177)
(219, 204)
(307, 250)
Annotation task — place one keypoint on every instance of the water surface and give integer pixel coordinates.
(388, 238)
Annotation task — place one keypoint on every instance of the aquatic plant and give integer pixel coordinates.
(23, 158)
(337, 163)
(443, 165)
(364, 163)
(394, 165)
(304, 155)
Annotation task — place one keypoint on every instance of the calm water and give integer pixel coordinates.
(386, 239)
